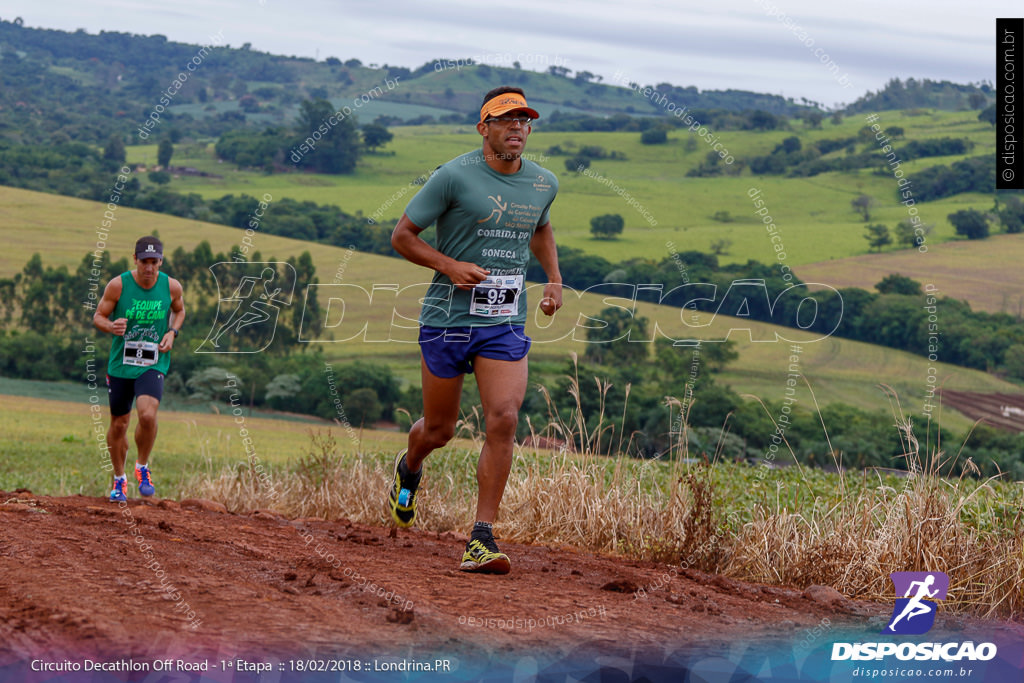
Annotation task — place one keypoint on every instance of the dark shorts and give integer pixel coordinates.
(449, 351)
(122, 392)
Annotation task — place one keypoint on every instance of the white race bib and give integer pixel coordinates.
(497, 296)
(140, 353)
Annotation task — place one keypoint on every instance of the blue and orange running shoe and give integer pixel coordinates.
(145, 480)
(120, 492)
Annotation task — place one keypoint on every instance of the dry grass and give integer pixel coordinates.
(850, 537)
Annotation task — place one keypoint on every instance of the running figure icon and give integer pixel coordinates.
(915, 607)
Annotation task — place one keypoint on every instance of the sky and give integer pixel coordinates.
(815, 49)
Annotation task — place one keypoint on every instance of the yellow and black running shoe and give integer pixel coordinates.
(402, 497)
(483, 556)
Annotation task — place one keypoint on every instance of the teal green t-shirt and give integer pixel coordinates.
(147, 311)
(487, 218)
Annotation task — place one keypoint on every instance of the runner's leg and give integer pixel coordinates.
(117, 442)
(145, 430)
(502, 389)
(441, 397)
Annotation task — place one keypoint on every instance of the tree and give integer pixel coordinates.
(877, 236)
(282, 389)
(654, 136)
(976, 100)
(988, 115)
(863, 204)
(375, 135)
(1013, 360)
(721, 246)
(337, 148)
(114, 150)
(1011, 215)
(577, 164)
(970, 223)
(907, 232)
(606, 227)
(164, 152)
(211, 384)
(362, 406)
(608, 339)
(898, 284)
(814, 119)
(719, 354)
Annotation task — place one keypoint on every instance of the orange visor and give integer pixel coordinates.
(506, 102)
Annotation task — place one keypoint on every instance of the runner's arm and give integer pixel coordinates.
(177, 316)
(407, 241)
(542, 244)
(101, 318)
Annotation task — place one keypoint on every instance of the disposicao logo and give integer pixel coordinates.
(914, 613)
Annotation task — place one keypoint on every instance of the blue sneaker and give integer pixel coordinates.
(145, 481)
(120, 492)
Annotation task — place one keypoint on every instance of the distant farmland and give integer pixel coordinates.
(987, 273)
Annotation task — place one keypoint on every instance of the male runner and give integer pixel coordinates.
(143, 308)
(491, 208)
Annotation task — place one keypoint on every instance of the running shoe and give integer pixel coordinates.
(120, 492)
(145, 480)
(402, 497)
(483, 556)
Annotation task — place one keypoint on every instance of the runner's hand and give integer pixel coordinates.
(119, 326)
(552, 300)
(466, 275)
(167, 342)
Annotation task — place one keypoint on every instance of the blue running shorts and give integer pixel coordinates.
(449, 351)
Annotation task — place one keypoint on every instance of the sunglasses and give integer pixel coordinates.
(509, 120)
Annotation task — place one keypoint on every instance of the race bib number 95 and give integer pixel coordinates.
(140, 353)
(497, 296)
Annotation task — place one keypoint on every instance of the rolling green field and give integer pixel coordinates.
(838, 370)
(813, 215)
(987, 273)
(50, 446)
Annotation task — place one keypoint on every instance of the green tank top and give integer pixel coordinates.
(147, 311)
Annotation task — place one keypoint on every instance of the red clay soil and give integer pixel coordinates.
(74, 582)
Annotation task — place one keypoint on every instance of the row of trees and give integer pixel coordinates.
(78, 170)
(621, 383)
(969, 223)
(896, 319)
(46, 313)
(791, 157)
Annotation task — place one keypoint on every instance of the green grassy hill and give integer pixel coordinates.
(812, 214)
(63, 230)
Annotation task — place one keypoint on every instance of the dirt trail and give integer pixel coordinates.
(74, 582)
